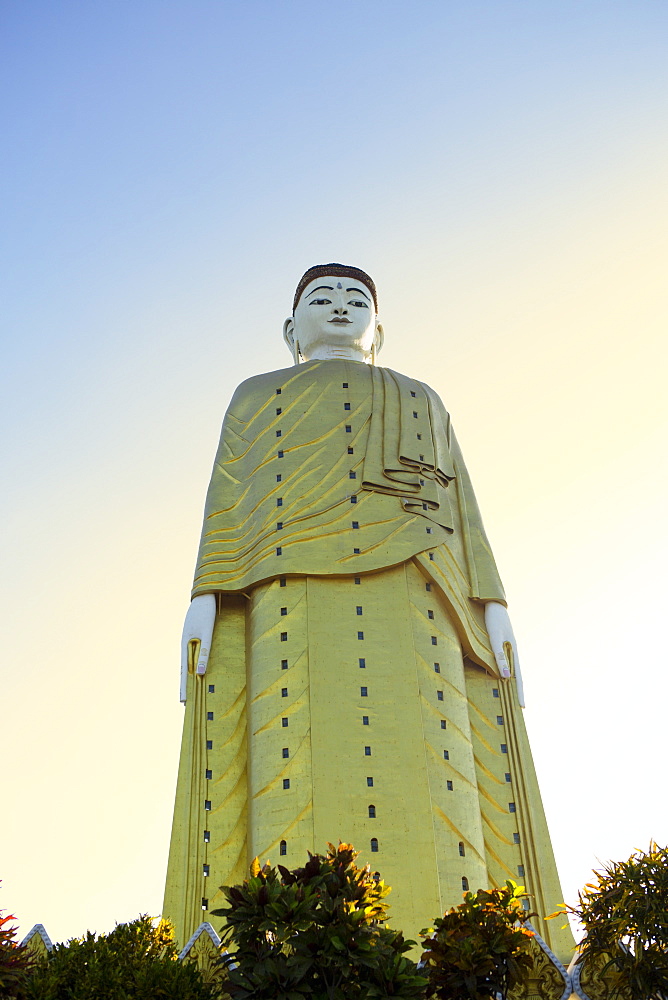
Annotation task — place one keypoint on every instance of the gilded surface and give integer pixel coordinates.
(592, 983)
(544, 981)
(351, 692)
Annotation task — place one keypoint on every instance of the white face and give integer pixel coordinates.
(335, 317)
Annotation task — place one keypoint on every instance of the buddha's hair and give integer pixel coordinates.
(336, 271)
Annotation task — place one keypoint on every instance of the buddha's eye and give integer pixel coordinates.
(359, 303)
(320, 302)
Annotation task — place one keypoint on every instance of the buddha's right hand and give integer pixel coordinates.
(196, 638)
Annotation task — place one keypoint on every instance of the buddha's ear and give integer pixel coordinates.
(289, 338)
(379, 337)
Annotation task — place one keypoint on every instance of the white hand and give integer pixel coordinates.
(197, 628)
(500, 631)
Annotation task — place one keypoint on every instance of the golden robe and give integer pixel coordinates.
(351, 692)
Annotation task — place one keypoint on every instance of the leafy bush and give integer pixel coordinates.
(479, 948)
(315, 932)
(625, 916)
(15, 962)
(135, 961)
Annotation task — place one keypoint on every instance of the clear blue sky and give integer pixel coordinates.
(169, 170)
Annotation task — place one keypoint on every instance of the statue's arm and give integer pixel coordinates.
(502, 637)
(197, 635)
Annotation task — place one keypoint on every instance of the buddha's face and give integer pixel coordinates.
(335, 317)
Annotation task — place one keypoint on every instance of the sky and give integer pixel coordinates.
(169, 170)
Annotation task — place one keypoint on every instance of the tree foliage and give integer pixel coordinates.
(137, 960)
(479, 948)
(15, 962)
(625, 916)
(315, 932)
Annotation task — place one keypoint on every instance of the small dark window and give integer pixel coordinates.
(465, 884)
(363, 692)
(283, 582)
(278, 411)
(449, 786)
(508, 776)
(351, 451)
(284, 611)
(279, 551)
(359, 609)
(358, 579)
(344, 385)
(212, 688)
(462, 849)
(207, 836)
(367, 751)
(279, 501)
(422, 482)
(352, 475)
(360, 635)
(415, 414)
(495, 692)
(365, 720)
(349, 429)
(284, 664)
(427, 587)
(419, 437)
(374, 845)
(504, 748)
(284, 692)
(434, 640)
(205, 902)
(422, 458)
(356, 524)
(499, 720)
(286, 782)
(278, 434)
(208, 774)
(209, 744)
(372, 812)
(516, 838)
(278, 478)
(278, 392)
(369, 782)
(446, 755)
(356, 552)
(429, 531)
(353, 499)
(511, 807)
(205, 870)
(207, 805)
(431, 556)
(437, 668)
(284, 636)
(362, 662)
(439, 695)
(280, 454)
(284, 723)
(520, 871)
(346, 406)
(279, 526)
(430, 614)
(286, 752)
(444, 724)
(283, 849)
(413, 394)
